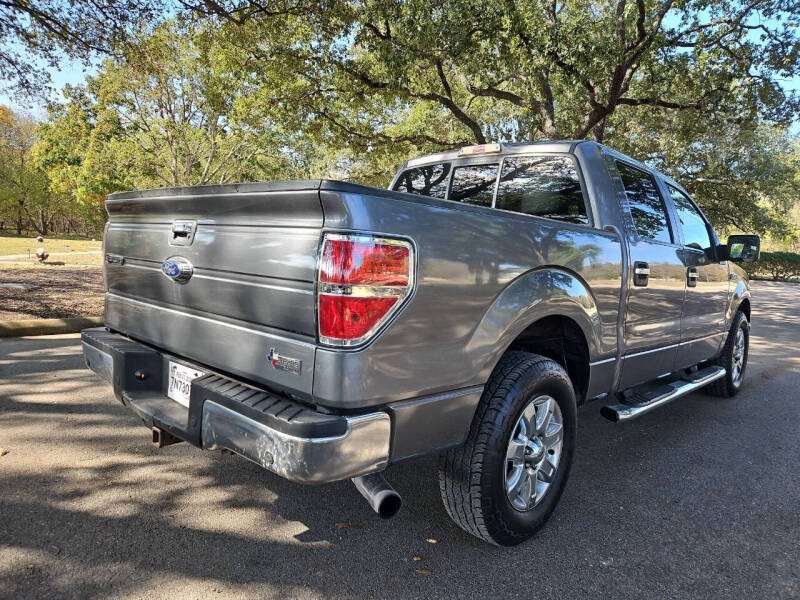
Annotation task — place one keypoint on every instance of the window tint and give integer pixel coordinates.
(695, 232)
(647, 207)
(430, 180)
(542, 186)
(474, 184)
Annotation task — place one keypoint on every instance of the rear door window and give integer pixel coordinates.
(430, 180)
(474, 184)
(544, 187)
(646, 204)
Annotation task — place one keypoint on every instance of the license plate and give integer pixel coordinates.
(180, 382)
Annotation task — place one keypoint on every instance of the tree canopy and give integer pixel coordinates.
(215, 90)
(35, 34)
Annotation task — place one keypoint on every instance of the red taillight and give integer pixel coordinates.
(362, 281)
(348, 318)
(364, 263)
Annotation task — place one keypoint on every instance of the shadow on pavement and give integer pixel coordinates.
(696, 499)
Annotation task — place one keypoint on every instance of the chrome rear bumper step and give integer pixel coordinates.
(647, 398)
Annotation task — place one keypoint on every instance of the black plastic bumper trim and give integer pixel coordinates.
(148, 399)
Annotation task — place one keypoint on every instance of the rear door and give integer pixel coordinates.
(656, 281)
(703, 317)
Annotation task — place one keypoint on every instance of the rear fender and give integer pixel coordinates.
(536, 294)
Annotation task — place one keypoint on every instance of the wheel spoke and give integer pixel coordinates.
(544, 414)
(521, 488)
(528, 420)
(553, 436)
(516, 452)
(513, 479)
(547, 470)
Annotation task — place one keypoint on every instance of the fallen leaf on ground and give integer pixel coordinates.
(3, 451)
(329, 546)
(424, 571)
(415, 558)
(343, 525)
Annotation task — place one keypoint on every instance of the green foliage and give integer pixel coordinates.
(778, 265)
(222, 90)
(693, 87)
(34, 33)
(745, 176)
(176, 109)
(24, 199)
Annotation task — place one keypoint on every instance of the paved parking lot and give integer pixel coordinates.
(699, 499)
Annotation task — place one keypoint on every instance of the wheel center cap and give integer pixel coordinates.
(535, 449)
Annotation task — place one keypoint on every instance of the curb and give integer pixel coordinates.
(47, 326)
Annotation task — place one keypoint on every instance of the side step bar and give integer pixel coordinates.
(643, 400)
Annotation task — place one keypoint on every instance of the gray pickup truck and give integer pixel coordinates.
(326, 330)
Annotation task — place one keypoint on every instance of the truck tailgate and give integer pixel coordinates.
(252, 249)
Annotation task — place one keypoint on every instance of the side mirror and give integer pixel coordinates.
(744, 248)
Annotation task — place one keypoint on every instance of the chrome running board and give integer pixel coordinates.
(645, 398)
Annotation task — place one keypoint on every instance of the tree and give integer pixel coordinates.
(23, 187)
(174, 109)
(35, 34)
(692, 86)
(744, 175)
(228, 89)
(558, 69)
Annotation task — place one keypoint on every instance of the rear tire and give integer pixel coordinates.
(504, 482)
(733, 359)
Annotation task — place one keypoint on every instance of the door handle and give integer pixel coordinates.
(692, 276)
(641, 273)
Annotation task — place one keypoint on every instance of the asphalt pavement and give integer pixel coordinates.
(700, 499)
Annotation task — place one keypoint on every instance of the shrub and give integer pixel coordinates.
(778, 265)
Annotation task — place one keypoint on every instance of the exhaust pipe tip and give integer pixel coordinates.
(381, 496)
(390, 505)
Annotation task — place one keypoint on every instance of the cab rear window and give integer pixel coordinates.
(546, 187)
(538, 185)
(474, 184)
(430, 180)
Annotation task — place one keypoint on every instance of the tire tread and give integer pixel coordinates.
(722, 387)
(461, 468)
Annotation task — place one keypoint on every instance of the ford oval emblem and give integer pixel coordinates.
(178, 269)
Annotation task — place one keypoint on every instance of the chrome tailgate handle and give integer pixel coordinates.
(182, 233)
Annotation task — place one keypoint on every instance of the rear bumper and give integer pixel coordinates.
(276, 433)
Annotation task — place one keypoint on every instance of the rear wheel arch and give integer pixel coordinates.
(532, 306)
(561, 339)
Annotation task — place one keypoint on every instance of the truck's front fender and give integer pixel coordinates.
(739, 294)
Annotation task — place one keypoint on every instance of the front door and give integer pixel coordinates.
(703, 318)
(656, 282)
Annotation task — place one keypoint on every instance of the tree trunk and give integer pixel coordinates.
(599, 131)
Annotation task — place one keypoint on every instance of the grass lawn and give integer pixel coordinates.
(68, 284)
(20, 245)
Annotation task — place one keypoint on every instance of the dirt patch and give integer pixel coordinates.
(62, 292)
